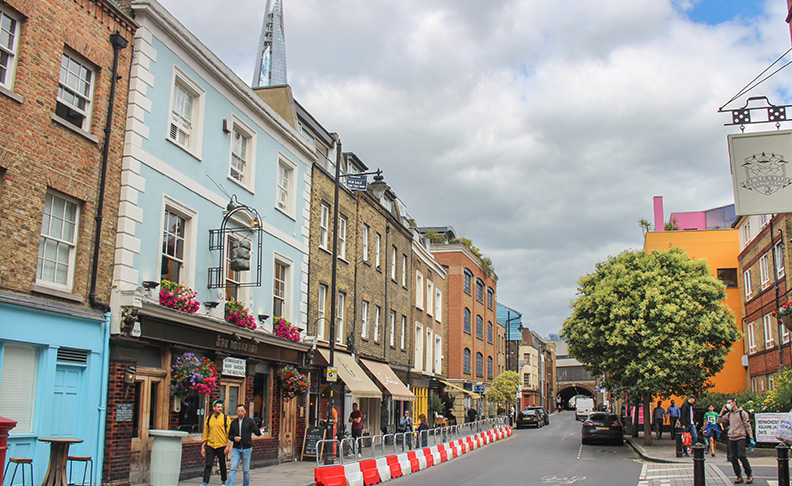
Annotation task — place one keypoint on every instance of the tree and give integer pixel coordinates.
(645, 225)
(653, 324)
(504, 388)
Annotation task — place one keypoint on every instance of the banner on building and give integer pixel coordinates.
(762, 184)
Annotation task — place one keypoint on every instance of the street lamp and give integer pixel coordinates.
(378, 189)
(509, 319)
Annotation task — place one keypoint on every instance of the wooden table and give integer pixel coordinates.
(59, 452)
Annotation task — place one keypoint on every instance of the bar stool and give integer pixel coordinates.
(19, 461)
(87, 470)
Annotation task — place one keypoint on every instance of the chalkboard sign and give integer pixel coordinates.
(312, 436)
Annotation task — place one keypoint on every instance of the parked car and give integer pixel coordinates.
(583, 407)
(602, 426)
(529, 418)
(545, 418)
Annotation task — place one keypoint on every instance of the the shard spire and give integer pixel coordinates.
(271, 56)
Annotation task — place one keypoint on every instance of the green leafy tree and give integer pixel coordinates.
(504, 388)
(653, 324)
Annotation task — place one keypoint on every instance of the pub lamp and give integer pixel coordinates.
(129, 375)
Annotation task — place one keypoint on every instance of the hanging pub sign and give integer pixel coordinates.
(761, 178)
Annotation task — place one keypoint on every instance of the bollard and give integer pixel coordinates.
(783, 464)
(698, 464)
(678, 435)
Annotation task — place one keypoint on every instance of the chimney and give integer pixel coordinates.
(659, 221)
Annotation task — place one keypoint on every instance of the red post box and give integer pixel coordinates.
(5, 426)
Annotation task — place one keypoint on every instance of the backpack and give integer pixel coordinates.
(208, 417)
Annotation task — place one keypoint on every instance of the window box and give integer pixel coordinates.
(179, 297)
(239, 315)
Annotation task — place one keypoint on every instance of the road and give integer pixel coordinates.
(548, 456)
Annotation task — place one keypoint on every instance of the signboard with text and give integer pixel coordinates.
(766, 426)
(762, 184)
(234, 367)
(356, 182)
(332, 374)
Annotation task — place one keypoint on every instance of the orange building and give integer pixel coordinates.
(715, 241)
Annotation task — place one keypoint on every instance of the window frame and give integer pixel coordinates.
(248, 174)
(394, 254)
(342, 237)
(364, 306)
(324, 225)
(365, 238)
(466, 358)
(321, 308)
(340, 306)
(419, 346)
(780, 265)
(490, 297)
(438, 355)
(72, 245)
(291, 191)
(84, 63)
(377, 250)
(429, 296)
(468, 282)
(489, 367)
(751, 338)
(404, 271)
(13, 53)
(377, 320)
(28, 375)
(403, 338)
(479, 364)
(479, 327)
(489, 332)
(764, 270)
(392, 338)
(480, 290)
(747, 284)
(767, 325)
(466, 321)
(286, 298)
(419, 290)
(195, 144)
(187, 276)
(438, 314)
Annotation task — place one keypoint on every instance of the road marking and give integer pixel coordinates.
(556, 480)
(580, 451)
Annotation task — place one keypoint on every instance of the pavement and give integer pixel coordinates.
(297, 473)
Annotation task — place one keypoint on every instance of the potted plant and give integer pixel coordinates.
(284, 329)
(239, 315)
(179, 297)
(784, 313)
(292, 383)
(192, 375)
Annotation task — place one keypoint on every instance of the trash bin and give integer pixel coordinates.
(5, 426)
(166, 453)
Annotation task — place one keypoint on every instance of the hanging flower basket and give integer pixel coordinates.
(291, 382)
(284, 329)
(239, 315)
(178, 297)
(192, 375)
(784, 314)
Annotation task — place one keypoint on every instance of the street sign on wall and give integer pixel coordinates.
(760, 176)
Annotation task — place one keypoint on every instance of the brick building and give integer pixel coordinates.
(58, 208)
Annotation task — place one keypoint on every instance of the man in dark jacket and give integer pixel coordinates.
(688, 419)
(239, 436)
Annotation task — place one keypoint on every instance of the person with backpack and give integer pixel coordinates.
(740, 431)
(241, 440)
(215, 442)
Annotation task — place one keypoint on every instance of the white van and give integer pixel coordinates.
(583, 407)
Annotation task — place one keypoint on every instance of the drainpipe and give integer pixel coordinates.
(98, 465)
(118, 42)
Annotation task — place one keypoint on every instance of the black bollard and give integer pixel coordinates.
(678, 434)
(783, 464)
(698, 464)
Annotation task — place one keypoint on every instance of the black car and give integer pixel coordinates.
(529, 418)
(542, 414)
(602, 426)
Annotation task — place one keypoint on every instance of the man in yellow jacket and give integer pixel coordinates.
(215, 442)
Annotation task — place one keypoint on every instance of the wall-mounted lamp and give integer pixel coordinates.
(256, 341)
(211, 305)
(129, 375)
(150, 284)
(263, 318)
(236, 336)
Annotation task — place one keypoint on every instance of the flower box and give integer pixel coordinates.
(285, 330)
(179, 297)
(239, 315)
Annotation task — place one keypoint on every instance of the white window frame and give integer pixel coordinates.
(419, 345)
(438, 315)
(321, 308)
(365, 242)
(747, 231)
(747, 283)
(419, 290)
(392, 338)
(13, 51)
(18, 383)
(768, 331)
(195, 138)
(404, 271)
(394, 254)
(190, 237)
(779, 258)
(248, 172)
(429, 361)
(377, 246)
(243, 293)
(764, 270)
(287, 297)
(438, 354)
(429, 296)
(79, 60)
(59, 241)
(324, 223)
(342, 237)
(286, 204)
(784, 335)
(340, 305)
(377, 319)
(364, 305)
(403, 331)
(763, 220)
(751, 338)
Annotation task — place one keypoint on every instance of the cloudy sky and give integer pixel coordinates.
(538, 129)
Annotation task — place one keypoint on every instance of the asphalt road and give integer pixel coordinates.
(550, 456)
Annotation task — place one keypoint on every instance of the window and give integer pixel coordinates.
(392, 338)
(438, 355)
(364, 319)
(404, 271)
(768, 330)
(490, 295)
(232, 277)
(764, 270)
(342, 225)
(784, 335)
(479, 365)
(173, 240)
(779, 259)
(241, 155)
(419, 290)
(747, 283)
(429, 349)
(393, 263)
(489, 367)
(377, 241)
(479, 327)
(377, 323)
(527, 380)
(747, 231)
(18, 385)
(751, 340)
(321, 307)
(771, 381)
(185, 107)
(279, 290)
(479, 290)
(365, 242)
(58, 241)
(466, 361)
(489, 331)
(729, 277)
(466, 320)
(419, 341)
(468, 280)
(763, 220)
(285, 193)
(340, 306)
(438, 313)
(262, 386)
(429, 295)
(9, 33)
(403, 331)
(75, 91)
(324, 219)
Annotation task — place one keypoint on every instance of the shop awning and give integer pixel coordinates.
(385, 375)
(459, 388)
(352, 375)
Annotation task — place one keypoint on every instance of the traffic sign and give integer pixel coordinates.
(332, 374)
(478, 388)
